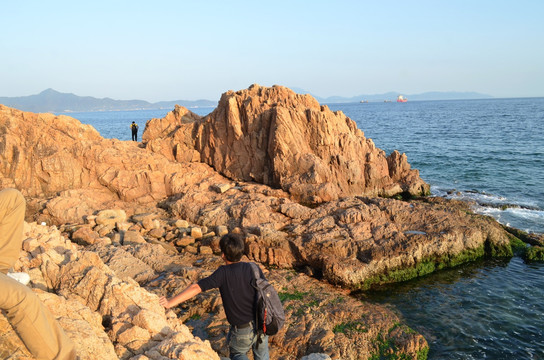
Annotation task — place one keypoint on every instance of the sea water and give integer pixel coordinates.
(489, 152)
(116, 124)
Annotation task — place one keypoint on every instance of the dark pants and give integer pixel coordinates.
(240, 341)
(135, 135)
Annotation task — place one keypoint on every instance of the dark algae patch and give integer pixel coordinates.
(430, 265)
(535, 253)
(519, 241)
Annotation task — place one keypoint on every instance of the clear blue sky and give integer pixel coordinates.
(172, 50)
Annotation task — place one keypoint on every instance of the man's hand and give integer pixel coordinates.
(164, 302)
(186, 294)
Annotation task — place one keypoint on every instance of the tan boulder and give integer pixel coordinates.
(177, 347)
(196, 232)
(49, 145)
(221, 188)
(132, 238)
(184, 241)
(157, 233)
(85, 235)
(110, 217)
(181, 223)
(205, 250)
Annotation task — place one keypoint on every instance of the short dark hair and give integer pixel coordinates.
(233, 246)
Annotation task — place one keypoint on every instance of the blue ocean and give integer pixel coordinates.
(487, 152)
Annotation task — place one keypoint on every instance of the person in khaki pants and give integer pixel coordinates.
(35, 325)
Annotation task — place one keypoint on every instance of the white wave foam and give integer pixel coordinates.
(524, 215)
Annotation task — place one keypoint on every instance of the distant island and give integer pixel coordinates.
(56, 102)
(392, 96)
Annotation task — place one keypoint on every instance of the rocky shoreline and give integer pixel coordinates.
(127, 223)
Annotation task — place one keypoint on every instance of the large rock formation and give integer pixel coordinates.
(44, 154)
(148, 223)
(278, 138)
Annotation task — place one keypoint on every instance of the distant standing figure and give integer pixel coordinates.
(134, 128)
(36, 326)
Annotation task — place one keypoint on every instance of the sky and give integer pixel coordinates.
(189, 50)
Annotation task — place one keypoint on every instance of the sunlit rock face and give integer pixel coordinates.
(276, 137)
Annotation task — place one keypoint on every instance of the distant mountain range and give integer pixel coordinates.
(56, 102)
(392, 96)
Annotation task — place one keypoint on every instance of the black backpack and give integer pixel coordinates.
(270, 316)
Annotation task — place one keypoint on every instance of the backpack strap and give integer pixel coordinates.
(256, 275)
(255, 270)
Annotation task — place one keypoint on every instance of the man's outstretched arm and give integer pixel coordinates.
(191, 291)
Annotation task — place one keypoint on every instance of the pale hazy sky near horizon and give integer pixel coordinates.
(189, 50)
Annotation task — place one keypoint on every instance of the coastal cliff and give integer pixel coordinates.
(276, 137)
(127, 223)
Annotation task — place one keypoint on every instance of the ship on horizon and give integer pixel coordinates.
(401, 98)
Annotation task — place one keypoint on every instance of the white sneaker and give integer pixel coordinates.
(21, 277)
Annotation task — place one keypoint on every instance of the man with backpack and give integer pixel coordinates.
(134, 128)
(237, 284)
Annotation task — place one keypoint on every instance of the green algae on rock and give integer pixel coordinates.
(427, 266)
(535, 253)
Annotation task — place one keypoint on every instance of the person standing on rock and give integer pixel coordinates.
(134, 128)
(234, 281)
(34, 324)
